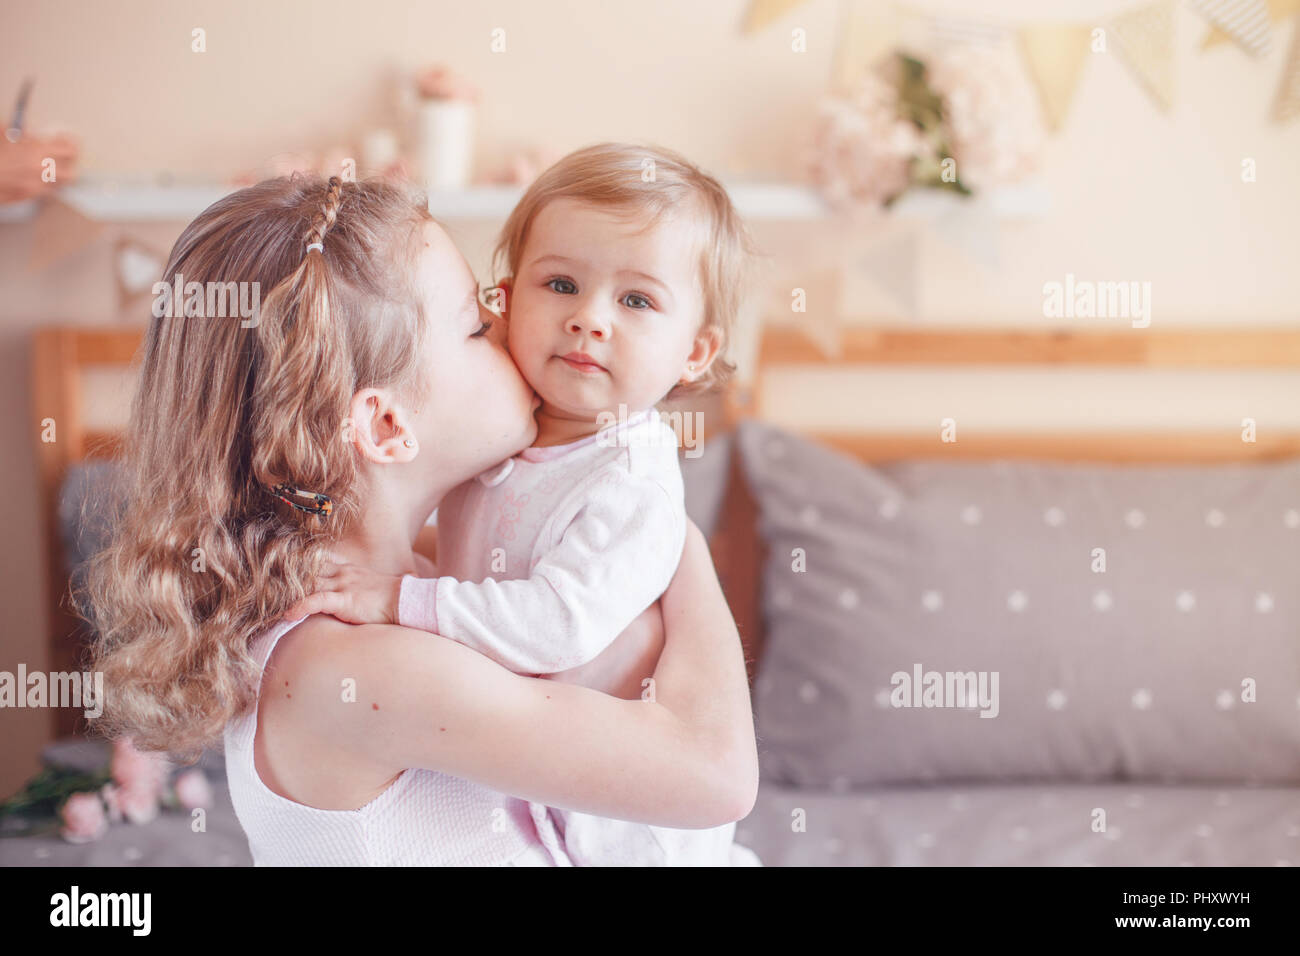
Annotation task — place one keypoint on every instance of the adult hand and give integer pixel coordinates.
(23, 165)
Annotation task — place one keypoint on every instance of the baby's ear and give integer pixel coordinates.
(707, 345)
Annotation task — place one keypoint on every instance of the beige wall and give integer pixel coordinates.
(1137, 194)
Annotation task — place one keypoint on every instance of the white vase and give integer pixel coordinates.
(446, 138)
(379, 150)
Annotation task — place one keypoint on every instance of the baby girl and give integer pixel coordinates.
(625, 268)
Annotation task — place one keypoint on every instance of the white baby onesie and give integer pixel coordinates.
(545, 560)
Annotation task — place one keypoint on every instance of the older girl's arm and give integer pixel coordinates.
(685, 758)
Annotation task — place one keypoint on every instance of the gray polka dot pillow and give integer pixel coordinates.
(942, 620)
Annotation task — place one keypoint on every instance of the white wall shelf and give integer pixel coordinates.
(107, 200)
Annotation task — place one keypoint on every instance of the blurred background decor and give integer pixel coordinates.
(87, 785)
(446, 128)
(1053, 46)
(964, 120)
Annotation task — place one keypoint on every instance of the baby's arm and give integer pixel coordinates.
(614, 559)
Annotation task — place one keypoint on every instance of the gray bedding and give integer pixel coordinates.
(1036, 825)
(840, 783)
(1031, 825)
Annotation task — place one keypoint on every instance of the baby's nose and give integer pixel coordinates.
(595, 333)
(596, 327)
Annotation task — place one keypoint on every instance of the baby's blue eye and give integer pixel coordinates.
(645, 303)
(569, 291)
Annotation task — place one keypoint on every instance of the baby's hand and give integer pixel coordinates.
(354, 594)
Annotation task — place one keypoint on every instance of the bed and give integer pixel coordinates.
(1150, 720)
(1123, 743)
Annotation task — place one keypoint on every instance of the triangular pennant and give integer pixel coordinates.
(972, 228)
(1055, 54)
(891, 266)
(821, 322)
(1246, 21)
(869, 32)
(763, 12)
(136, 267)
(966, 31)
(1146, 39)
(1278, 10)
(1287, 104)
(60, 230)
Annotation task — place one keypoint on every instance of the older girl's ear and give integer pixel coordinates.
(379, 427)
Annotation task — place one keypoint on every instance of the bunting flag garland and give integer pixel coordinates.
(763, 12)
(821, 324)
(136, 267)
(1145, 37)
(1278, 10)
(890, 266)
(1055, 54)
(972, 228)
(59, 231)
(1246, 21)
(1287, 104)
(869, 32)
(965, 31)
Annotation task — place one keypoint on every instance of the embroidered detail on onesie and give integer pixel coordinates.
(508, 517)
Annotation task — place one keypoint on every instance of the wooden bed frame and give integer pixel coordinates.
(63, 355)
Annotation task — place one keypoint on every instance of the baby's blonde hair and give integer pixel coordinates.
(657, 181)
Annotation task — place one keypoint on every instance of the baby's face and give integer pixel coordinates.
(626, 296)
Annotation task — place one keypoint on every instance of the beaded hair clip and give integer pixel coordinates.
(324, 504)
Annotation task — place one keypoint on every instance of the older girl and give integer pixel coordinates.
(372, 382)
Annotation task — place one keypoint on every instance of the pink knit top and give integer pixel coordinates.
(424, 818)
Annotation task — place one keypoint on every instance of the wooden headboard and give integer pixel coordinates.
(62, 360)
(63, 356)
(738, 550)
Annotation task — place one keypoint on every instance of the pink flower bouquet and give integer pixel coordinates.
(81, 806)
(966, 120)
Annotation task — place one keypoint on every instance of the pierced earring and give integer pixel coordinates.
(691, 367)
(408, 443)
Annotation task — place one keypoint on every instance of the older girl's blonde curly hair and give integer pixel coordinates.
(202, 556)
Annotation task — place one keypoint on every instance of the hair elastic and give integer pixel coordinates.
(316, 245)
(324, 504)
